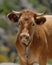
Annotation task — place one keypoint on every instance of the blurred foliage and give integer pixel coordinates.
(50, 61)
(41, 6)
(11, 39)
(3, 58)
(9, 5)
(3, 23)
(4, 49)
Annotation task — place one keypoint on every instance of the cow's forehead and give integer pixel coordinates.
(27, 12)
(27, 16)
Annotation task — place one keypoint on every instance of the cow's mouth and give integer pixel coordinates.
(25, 43)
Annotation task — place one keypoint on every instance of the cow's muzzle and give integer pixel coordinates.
(24, 39)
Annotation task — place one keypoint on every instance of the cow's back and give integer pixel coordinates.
(48, 30)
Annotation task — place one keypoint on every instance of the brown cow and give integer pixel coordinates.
(34, 38)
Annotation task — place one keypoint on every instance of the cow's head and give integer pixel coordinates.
(27, 21)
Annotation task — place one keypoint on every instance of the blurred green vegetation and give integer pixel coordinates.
(50, 61)
(9, 5)
(3, 23)
(3, 58)
(11, 39)
(41, 6)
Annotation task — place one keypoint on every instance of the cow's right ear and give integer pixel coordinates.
(13, 17)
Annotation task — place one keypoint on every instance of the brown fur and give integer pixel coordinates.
(41, 34)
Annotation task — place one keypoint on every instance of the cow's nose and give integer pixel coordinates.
(27, 37)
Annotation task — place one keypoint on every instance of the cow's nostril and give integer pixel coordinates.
(27, 37)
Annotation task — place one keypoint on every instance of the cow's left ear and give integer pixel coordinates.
(13, 17)
(40, 20)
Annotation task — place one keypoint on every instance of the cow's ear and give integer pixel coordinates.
(40, 20)
(13, 17)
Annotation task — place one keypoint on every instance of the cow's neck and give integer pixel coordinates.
(27, 52)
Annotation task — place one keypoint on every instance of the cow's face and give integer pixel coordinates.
(27, 22)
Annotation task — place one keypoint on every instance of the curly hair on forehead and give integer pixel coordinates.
(27, 11)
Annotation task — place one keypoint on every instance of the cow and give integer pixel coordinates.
(34, 37)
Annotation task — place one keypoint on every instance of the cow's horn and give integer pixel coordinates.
(40, 14)
(16, 12)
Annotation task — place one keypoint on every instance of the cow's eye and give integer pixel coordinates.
(19, 23)
(33, 24)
